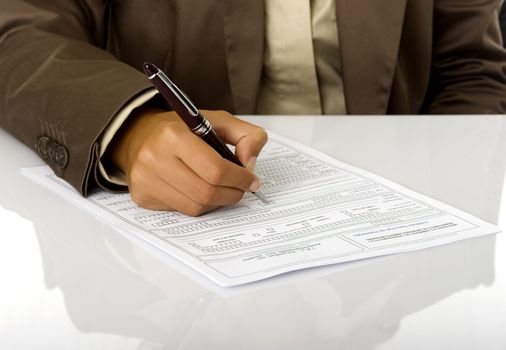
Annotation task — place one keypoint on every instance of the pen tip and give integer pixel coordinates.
(149, 68)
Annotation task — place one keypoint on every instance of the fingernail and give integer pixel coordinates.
(255, 186)
(252, 163)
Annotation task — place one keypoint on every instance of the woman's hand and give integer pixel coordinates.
(169, 168)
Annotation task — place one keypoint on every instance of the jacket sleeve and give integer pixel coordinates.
(469, 62)
(59, 87)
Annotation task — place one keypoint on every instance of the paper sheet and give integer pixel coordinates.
(321, 212)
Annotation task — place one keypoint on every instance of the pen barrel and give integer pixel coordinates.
(182, 105)
(192, 121)
(219, 146)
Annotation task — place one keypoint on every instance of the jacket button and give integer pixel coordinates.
(60, 156)
(41, 146)
(51, 150)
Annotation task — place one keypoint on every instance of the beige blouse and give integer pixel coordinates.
(302, 66)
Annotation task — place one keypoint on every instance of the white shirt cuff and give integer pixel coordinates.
(113, 175)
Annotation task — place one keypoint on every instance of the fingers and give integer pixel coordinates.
(212, 167)
(196, 188)
(155, 194)
(248, 138)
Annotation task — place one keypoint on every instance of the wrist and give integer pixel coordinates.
(131, 135)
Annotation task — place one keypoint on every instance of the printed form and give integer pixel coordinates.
(320, 211)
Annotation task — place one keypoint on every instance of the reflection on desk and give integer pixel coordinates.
(111, 286)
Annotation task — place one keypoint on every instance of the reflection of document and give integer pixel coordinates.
(321, 211)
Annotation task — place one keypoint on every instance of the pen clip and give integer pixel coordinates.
(179, 94)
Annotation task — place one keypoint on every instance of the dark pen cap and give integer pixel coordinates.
(150, 69)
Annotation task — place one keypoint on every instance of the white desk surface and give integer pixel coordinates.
(68, 281)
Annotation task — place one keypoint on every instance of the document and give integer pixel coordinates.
(320, 211)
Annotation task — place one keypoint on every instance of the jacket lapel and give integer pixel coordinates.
(369, 35)
(243, 22)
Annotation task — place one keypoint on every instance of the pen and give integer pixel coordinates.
(187, 111)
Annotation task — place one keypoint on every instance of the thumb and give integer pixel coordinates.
(248, 139)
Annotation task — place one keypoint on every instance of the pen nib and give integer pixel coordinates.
(261, 197)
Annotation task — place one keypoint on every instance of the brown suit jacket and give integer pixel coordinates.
(67, 66)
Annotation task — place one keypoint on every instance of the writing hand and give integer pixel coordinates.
(169, 168)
